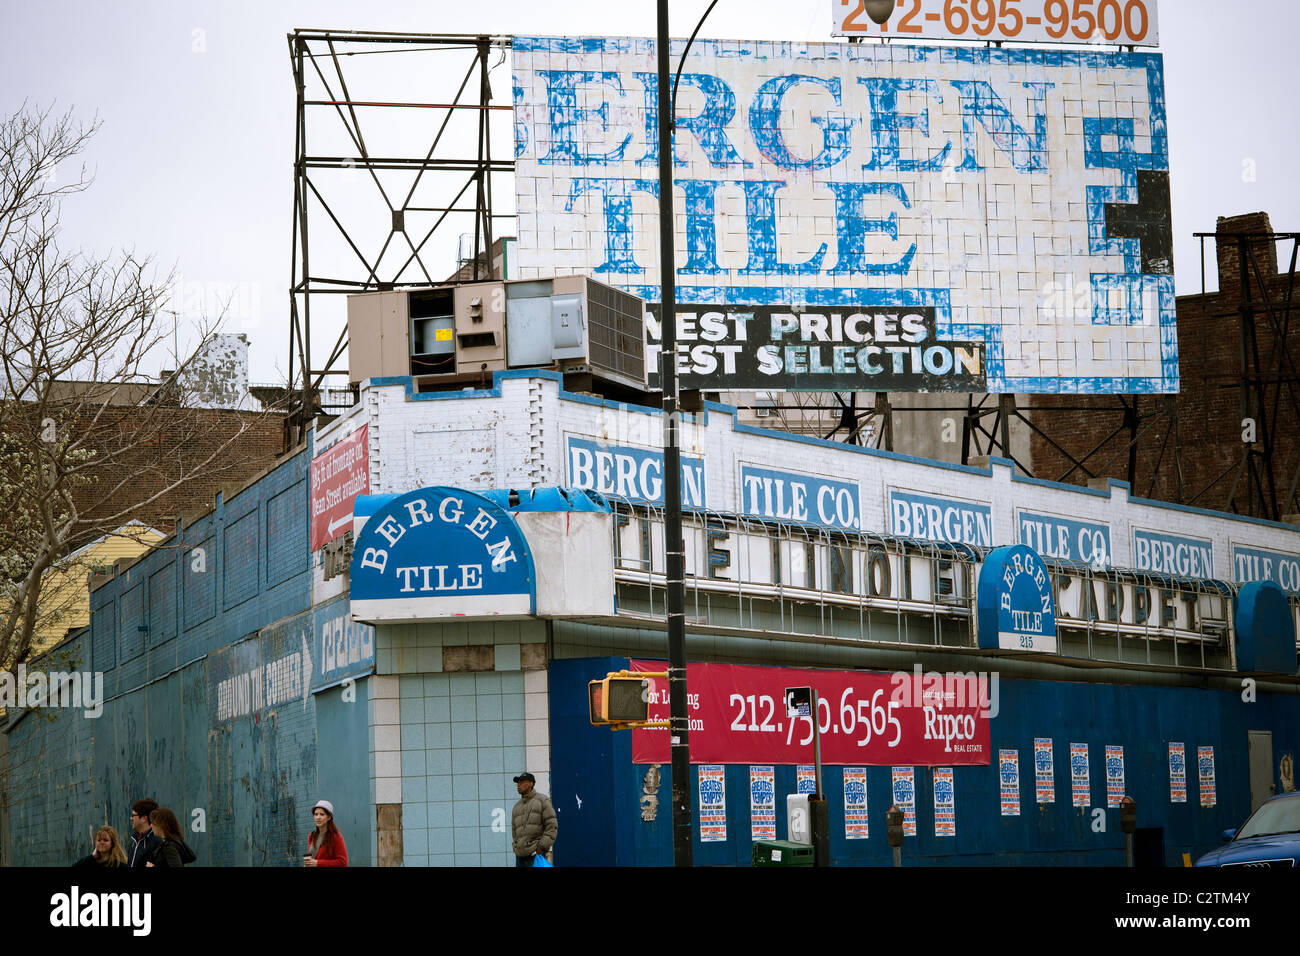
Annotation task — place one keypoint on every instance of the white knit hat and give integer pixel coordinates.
(324, 805)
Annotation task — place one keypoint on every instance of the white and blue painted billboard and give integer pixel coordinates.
(1257, 564)
(1173, 554)
(786, 496)
(914, 515)
(859, 216)
(632, 474)
(1065, 539)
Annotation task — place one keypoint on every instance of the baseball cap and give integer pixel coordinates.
(526, 776)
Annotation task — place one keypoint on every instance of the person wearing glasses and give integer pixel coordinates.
(144, 842)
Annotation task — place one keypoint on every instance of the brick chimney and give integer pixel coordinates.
(1265, 253)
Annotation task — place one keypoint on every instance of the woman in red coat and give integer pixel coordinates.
(325, 846)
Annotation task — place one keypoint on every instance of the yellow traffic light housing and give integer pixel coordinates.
(617, 699)
(621, 699)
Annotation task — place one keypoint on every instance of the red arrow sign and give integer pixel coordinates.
(338, 475)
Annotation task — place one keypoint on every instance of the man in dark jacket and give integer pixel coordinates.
(143, 840)
(532, 822)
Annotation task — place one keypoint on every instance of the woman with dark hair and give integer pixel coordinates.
(325, 846)
(108, 851)
(173, 851)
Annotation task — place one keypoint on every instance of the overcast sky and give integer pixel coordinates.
(193, 163)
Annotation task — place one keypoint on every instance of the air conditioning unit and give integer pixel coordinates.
(575, 322)
(569, 323)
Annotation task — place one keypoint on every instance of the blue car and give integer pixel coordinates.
(1270, 839)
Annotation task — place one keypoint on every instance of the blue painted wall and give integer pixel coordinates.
(165, 633)
(596, 764)
(343, 768)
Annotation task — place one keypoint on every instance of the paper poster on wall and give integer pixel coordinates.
(905, 797)
(1177, 773)
(855, 803)
(1009, 779)
(762, 803)
(1080, 787)
(1205, 771)
(945, 808)
(805, 779)
(1044, 771)
(1114, 775)
(713, 803)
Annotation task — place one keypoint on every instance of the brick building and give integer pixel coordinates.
(193, 430)
(255, 681)
(1237, 360)
(144, 451)
(189, 441)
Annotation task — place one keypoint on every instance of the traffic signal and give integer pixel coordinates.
(619, 699)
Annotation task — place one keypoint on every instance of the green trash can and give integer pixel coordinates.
(781, 853)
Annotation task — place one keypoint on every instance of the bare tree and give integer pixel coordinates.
(89, 438)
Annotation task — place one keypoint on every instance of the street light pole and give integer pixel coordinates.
(679, 733)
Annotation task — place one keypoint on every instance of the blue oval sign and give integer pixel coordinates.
(1015, 610)
(441, 552)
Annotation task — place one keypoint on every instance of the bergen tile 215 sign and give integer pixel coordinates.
(865, 217)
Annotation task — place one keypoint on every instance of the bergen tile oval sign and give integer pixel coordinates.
(441, 552)
(1014, 600)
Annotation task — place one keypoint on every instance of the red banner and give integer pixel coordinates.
(338, 475)
(737, 715)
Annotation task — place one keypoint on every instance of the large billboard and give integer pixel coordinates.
(866, 217)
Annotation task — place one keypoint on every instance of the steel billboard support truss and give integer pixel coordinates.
(458, 185)
(1268, 380)
(986, 422)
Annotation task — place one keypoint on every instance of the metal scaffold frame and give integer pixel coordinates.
(1269, 381)
(318, 58)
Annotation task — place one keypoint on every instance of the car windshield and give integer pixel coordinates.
(1276, 816)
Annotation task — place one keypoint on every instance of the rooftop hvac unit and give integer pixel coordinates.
(570, 323)
(573, 322)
